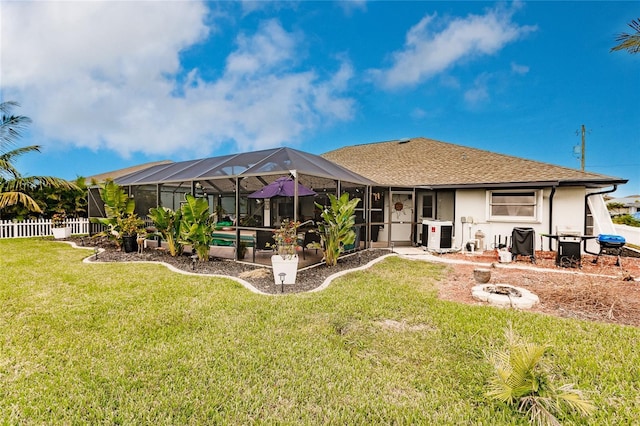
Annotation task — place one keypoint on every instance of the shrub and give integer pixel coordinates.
(167, 222)
(626, 219)
(523, 379)
(336, 230)
(118, 207)
(196, 225)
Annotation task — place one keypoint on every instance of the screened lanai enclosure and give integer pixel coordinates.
(228, 182)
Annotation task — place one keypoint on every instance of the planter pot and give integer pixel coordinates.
(61, 232)
(482, 276)
(130, 243)
(287, 266)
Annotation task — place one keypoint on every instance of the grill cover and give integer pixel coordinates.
(522, 240)
(611, 239)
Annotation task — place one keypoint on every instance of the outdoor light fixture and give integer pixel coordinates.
(282, 275)
(96, 251)
(193, 262)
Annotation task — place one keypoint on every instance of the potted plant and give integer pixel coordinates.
(59, 226)
(286, 260)
(129, 228)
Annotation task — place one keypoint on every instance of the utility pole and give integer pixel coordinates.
(583, 147)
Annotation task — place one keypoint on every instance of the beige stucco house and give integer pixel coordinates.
(476, 190)
(402, 184)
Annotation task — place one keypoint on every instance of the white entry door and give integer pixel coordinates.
(401, 210)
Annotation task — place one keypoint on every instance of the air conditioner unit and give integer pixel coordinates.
(437, 234)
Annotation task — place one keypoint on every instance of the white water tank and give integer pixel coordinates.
(437, 234)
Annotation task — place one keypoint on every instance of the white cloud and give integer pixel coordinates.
(519, 69)
(349, 6)
(418, 113)
(107, 74)
(479, 93)
(434, 45)
(270, 47)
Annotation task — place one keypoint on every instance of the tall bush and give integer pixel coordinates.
(196, 225)
(118, 206)
(167, 222)
(336, 229)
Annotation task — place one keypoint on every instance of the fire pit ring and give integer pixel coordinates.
(504, 295)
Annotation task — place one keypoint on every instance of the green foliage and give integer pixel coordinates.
(15, 189)
(130, 225)
(119, 208)
(626, 219)
(614, 206)
(629, 41)
(336, 230)
(167, 222)
(522, 379)
(196, 225)
(52, 200)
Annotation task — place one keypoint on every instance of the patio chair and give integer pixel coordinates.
(310, 237)
(264, 242)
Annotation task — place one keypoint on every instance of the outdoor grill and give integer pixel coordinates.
(610, 244)
(569, 254)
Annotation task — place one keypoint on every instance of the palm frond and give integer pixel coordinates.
(521, 378)
(11, 126)
(10, 198)
(629, 41)
(10, 155)
(575, 399)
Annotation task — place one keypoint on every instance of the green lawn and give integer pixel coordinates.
(138, 344)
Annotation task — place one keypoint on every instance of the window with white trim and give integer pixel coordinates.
(514, 205)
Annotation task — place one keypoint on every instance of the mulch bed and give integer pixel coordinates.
(598, 291)
(258, 276)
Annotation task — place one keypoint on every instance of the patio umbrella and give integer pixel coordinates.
(282, 187)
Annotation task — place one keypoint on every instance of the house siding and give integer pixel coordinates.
(568, 214)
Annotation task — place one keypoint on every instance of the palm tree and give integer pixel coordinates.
(629, 42)
(14, 188)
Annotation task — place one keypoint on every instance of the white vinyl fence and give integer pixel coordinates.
(39, 228)
(630, 233)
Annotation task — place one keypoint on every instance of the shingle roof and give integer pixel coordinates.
(431, 163)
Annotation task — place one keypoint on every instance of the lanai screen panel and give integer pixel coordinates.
(173, 194)
(146, 197)
(240, 163)
(141, 175)
(195, 169)
(155, 174)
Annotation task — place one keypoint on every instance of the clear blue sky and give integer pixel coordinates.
(114, 84)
